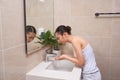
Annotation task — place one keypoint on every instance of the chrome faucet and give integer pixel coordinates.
(50, 57)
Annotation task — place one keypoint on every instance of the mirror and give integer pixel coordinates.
(38, 15)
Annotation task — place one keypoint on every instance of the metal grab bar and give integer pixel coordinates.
(97, 14)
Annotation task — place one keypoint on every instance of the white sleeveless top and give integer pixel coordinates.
(90, 63)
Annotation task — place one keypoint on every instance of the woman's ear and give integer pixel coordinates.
(65, 33)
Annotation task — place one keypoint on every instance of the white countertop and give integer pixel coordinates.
(41, 71)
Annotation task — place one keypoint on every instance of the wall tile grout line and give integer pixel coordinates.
(14, 46)
(110, 53)
(110, 59)
(113, 5)
(2, 46)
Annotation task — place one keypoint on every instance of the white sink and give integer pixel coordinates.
(61, 65)
(56, 70)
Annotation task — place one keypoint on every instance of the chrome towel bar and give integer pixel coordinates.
(98, 14)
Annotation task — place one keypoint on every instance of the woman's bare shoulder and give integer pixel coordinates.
(80, 40)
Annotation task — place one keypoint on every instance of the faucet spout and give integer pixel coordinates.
(50, 57)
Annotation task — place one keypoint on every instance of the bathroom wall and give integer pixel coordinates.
(1, 57)
(13, 61)
(103, 33)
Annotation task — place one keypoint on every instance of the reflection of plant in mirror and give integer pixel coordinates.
(48, 39)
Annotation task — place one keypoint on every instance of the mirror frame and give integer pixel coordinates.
(24, 6)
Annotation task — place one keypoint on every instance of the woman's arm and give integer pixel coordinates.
(78, 60)
(78, 51)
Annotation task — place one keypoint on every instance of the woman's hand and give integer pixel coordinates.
(61, 57)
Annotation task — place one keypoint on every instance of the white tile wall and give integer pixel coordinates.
(102, 33)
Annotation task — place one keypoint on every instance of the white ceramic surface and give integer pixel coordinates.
(64, 70)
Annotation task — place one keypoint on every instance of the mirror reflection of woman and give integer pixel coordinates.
(30, 32)
(84, 55)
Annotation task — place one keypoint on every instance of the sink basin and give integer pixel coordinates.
(61, 65)
(54, 70)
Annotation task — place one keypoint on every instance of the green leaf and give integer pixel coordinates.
(48, 39)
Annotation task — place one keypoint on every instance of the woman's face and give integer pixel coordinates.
(30, 36)
(60, 38)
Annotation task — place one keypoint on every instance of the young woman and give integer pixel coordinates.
(84, 54)
(30, 32)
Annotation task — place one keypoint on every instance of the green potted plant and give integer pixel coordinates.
(49, 39)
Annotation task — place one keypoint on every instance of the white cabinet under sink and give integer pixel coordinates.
(56, 70)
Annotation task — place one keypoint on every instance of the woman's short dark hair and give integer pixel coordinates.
(30, 28)
(62, 28)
